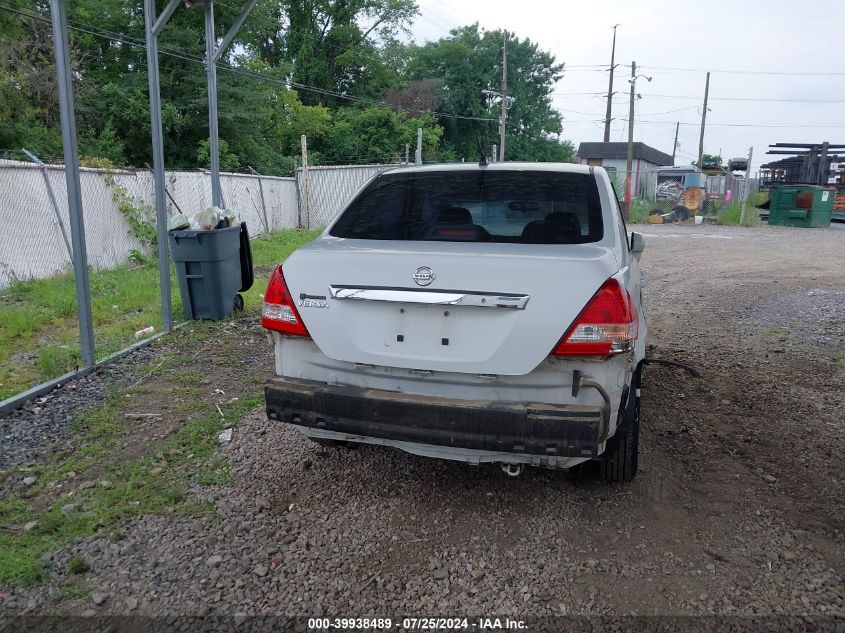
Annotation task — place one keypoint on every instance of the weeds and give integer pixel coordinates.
(731, 214)
(154, 483)
(39, 332)
(78, 565)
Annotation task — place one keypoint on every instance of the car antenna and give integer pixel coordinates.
(482, 156)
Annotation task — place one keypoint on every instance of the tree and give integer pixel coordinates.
(228, 160)
(360, 93)
(710, 162)
(29, 112)
(468, 62)
(376, 135)
(326, 46)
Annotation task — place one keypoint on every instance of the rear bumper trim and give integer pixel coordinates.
(530, 429)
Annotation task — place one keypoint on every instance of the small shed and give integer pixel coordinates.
(614, 158)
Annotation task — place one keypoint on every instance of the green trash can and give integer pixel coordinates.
(208, 265)
(801, 205)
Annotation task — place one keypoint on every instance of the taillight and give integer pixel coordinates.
(607, 325)
(279, 312)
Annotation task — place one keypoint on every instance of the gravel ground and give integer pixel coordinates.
(43, 426)
(738, 507)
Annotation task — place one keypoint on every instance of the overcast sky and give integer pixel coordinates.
(772, 36)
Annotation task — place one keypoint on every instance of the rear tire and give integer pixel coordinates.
(620, 459)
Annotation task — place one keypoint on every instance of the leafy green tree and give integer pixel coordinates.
(29, 114)
(376, 135)
(345, 55)
(326, 46)
(228, 160)
(709, 162)
(468, 62)
(104, 143)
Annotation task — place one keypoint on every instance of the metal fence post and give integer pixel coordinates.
(74, 190)
(158, 160)
(745, 190)
(304, 194)
(211, 71)
(52, 195)
(263, 201)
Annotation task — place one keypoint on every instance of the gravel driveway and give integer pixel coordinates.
(739, 507)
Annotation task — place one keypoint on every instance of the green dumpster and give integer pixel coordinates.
(801, 205)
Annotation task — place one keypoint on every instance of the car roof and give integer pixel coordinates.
(569, 168)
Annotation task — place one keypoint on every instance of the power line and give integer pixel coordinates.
(697, 124)
(747, 72)
(669, 111)
(760, 99)
(662, 96)
(675, 69)
(750, 125)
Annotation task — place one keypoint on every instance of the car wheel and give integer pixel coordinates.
(619, 461)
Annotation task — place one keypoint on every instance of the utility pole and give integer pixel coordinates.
(630, 164)
(747, 189)
(607, 118)
(675, 146)
(504, 119)
(703, 121)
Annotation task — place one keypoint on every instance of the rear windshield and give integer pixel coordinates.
(523, 207)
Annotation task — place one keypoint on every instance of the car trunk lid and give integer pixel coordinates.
(443, 306)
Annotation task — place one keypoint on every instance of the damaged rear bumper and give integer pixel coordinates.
(530, 429)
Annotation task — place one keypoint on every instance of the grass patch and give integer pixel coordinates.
(78, 565)
(730, 215)
(640, 209)
(154, 483)
(777, 332)
(638, 212)
(39, 331)
(157, 481)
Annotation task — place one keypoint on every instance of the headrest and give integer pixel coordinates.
(454, 215)
(564, 221)
(535, 232)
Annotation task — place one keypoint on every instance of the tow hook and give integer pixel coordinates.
(513, 470)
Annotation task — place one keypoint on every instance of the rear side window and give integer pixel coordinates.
(523, 207)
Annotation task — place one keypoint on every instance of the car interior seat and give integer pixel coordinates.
(455, 223)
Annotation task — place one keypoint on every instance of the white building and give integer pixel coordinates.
(614, 158)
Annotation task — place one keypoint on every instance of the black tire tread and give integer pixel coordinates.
(621, 457)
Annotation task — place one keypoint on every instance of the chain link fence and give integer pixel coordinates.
(119, 214)
(39, 329)
(324, 190)
(679, 195)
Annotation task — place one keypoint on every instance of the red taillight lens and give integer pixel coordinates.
(607, 325)
(279, 312)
